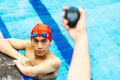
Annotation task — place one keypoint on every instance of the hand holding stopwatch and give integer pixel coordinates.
(72, 15)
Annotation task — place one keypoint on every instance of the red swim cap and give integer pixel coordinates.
(40, 29)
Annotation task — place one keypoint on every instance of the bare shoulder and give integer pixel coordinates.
(55, 61)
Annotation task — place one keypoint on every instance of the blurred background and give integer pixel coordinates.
(18, 17)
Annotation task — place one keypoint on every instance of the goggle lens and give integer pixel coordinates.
(44, 35)
(34, 34)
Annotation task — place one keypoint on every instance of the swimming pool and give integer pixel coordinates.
(17, 18)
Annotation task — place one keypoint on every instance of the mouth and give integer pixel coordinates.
(39, 51)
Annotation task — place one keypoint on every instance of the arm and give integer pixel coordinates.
(45, 68)
(9, 46)
(80, 64)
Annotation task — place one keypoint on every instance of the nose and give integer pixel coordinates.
(39, 45)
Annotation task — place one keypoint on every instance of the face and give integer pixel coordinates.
(40, 45)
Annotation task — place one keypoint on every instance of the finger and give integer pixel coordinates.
(12, 63)
(65, 23)
(65, 8)
(16, 62)
(23, 63)
(30, 63)
(63, 14)
(67, 27)
(82, 14)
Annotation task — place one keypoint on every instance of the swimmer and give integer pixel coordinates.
(38, 61)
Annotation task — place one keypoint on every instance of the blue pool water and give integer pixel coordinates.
(17, 18)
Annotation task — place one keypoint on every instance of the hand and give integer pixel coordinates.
(15, 62)
(25, 61)
(80, 26)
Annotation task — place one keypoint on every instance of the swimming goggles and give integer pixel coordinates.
(44, 35)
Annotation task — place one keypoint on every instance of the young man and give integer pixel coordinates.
(38, 60)
(80, 64)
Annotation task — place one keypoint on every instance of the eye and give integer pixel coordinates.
(35, 40)
(44, 40)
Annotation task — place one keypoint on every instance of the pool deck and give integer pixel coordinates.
(8, 72)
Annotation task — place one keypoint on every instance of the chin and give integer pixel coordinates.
(39, 54)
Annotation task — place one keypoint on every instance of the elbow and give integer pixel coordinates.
(54, 75)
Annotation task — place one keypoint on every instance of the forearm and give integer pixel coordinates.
(31, 71)
(6, 48)
(80, 65)
(43, 70)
